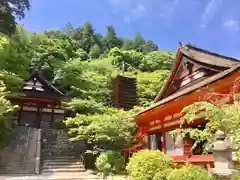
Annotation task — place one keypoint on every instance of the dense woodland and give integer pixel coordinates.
(81, 63)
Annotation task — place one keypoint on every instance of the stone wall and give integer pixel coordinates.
(55, 143)
(19, 156)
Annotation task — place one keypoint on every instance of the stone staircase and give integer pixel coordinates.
(65, 167)
(62, 164)
(61, 159)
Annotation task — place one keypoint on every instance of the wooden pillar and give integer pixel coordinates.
(187, 146)
(52, 114)
(20, 114)
(164, 146)
(38, 116)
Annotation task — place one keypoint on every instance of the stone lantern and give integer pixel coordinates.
(222, 153)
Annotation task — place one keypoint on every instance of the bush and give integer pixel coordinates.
(110, 162)
(162, 175)
(189, 173)
(144, 164)
(235, 177)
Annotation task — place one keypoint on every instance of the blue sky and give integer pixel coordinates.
(209, 24)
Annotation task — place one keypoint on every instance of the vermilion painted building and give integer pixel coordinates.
(197, 75)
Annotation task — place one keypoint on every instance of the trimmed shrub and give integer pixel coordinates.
(144, 164)
(110, 162)
(189, 172)
(162, 175)
(235, 178)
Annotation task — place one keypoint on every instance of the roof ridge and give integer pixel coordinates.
(209, 52)
(41, 78)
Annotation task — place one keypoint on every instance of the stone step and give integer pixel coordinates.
(57, 165)
(61, 160)
(62, 163)
(63, 157)
(16, 170)
(60, 167)
(64, 169)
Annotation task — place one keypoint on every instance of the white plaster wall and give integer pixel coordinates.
(174, 147)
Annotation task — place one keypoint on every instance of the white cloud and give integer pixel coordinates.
(134, 13)
(232, 25)
(167, 7)
(131, 10)
(210, 11)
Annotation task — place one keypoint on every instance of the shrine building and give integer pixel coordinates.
(39, 103)
(197, 75)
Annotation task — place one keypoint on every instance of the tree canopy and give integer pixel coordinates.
(82, 63)
(9, 11)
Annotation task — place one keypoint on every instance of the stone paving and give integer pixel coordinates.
(60, 176)
(57, 176)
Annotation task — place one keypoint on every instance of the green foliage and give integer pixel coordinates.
(157, 60)
(110, 162)
(223, 117)
(144, 164)
(162, 175)
(6, 126)
(235, 178)
(189, 173)
(148, 85)
(81, 54)
(9, 12)
(13, 64)
(95, 51)
(82, 63)
(111, 129)
(111, 40)
(126, 60)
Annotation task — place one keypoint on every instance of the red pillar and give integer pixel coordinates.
(164, 146)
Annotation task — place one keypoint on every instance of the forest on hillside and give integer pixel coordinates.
(81, 63)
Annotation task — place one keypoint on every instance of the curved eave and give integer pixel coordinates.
(181, 97)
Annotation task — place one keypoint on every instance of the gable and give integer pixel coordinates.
(38, 86)
(187, 74)
(192, 66)
(34, 85)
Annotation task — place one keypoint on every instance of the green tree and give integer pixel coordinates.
(6, 126)
(9, 10)
(148, 85)
(111, 129)
(81, 54)
(149, 46)
(126, 60)
(95, 51)
(86, 42)
(128, 44)
(54, 34)
(219, 117)
(139, 42)
(14, 62)
(111, 40)
(157, 60)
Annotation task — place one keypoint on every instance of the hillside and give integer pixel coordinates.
(81, 63)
